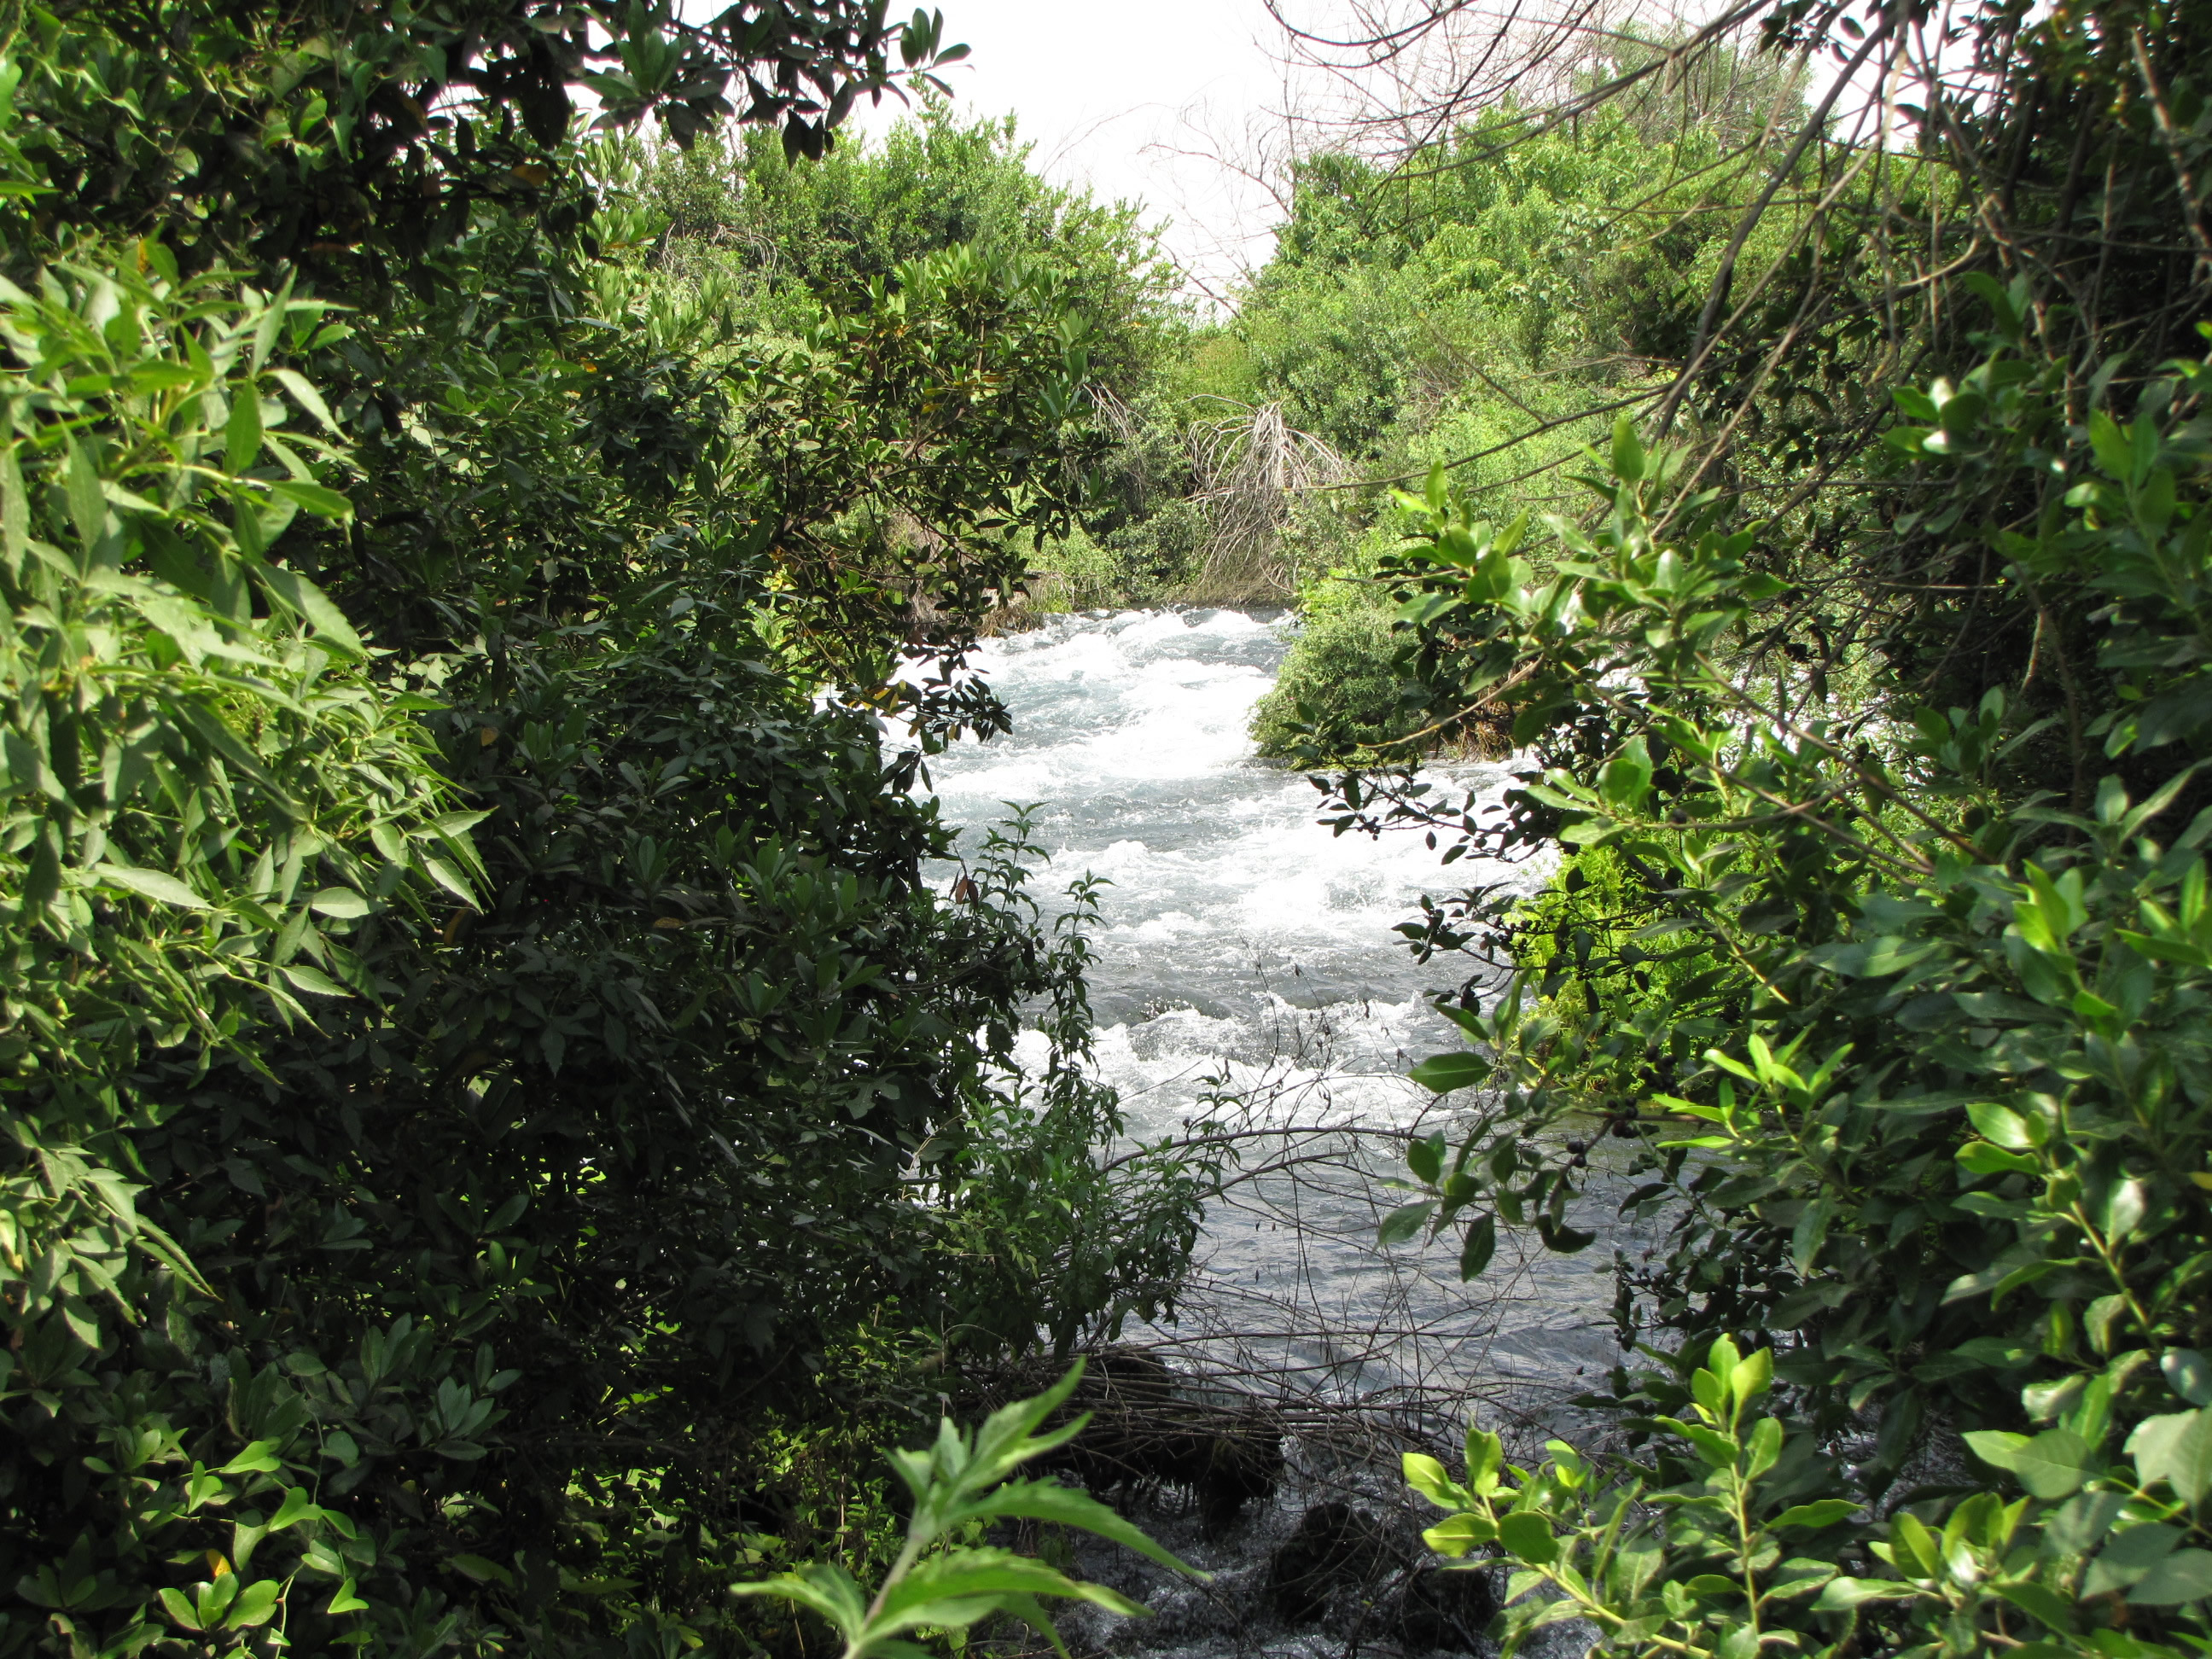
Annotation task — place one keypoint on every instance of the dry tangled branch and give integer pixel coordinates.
(1251, 466)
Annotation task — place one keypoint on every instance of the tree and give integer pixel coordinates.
(482, 1036)
(1866, 710)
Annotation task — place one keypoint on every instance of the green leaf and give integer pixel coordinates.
(255, 1605)
(1045, 1500)
(14, 509)
(297, 1506)
(2054, 1464)
(305, 600)
(2184, 1576)
(345, 1600)
(1481, 1245)
(1983, 1158)
(1627, 452)
(1719, 1450)
(177, 1606)
(825, 1587)
(305, 395)
(312, 981)
(961, 1586)
(1461, 1533)
(2129, 1555)
(458, 824)
(2078, 1525)
(1528, 1536)
(2176, 1447)
(260, 1457)
(1998, 1448)
(2046, 1605)
(1426, 1476)
(476, 1567)
(448, 878)
(1560, 1237)
(87, 502)
(1441, 1073)
(1485, 1456)
(1841, 1595)
(241, 434)
(156, 884)
(1764, 1447)
(313, 498)
(1822, 1512)
(342, 903)
(1402, 1222)
(2001, 1126)
(2189, 1374)
(1626, 779)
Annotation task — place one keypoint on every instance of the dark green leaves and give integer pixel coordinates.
(1442, 1073)
(1404, 1222)
(2176, 1448)
(1481, 1245)
(2050, 1465)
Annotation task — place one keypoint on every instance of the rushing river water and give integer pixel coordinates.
(1240, 939)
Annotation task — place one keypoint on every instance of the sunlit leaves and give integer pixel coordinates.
(965, 1478)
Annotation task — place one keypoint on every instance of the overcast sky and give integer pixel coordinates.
(1109, 95)
(1170, 103)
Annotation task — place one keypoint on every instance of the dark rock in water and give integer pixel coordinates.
(1145, 1430)
(1446, 1608)
(1243, 1461)
(1335, 1549)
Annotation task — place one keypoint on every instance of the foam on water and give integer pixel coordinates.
(1132, 732)
(1241, 941)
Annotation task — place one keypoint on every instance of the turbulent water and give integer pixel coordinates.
(1239, 938)
(1245, 952)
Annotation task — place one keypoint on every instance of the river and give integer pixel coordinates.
(1245, 952)
(1240, 939)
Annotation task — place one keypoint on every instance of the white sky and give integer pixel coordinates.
(1172, 104)
(1118, 97)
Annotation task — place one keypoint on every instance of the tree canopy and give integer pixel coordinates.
(491, 1060)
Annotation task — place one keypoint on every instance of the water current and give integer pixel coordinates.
(1243, 951)
(1240, 939)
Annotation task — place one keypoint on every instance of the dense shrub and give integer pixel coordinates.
(487, 1069)
(1872, 716)
(1341, 689)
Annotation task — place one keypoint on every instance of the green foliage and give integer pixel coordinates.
(830, 230)
(308, 134)
(1472, 308)
(1891, 817)
(479, 1033)
(961, 1485)
(1935, 1116)
(1727, 1532)
(1339, 690)
(1486, 293)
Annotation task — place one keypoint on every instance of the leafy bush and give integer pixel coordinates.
(477, 1030)
(1339, 690)
(1728, 1533)
(961, 1486)
(1936, 1125)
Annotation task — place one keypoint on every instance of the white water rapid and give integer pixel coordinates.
(1240, 940)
